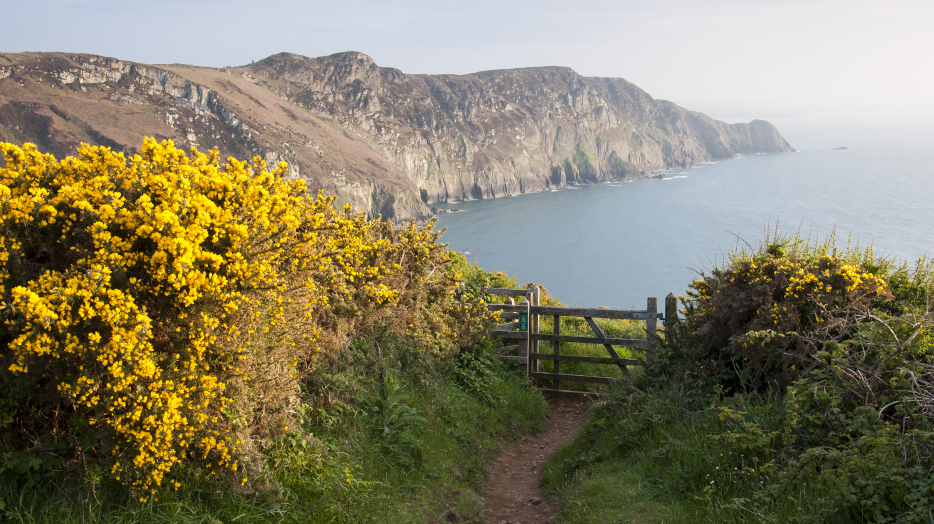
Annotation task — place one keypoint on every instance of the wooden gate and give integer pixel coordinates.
(524, 328)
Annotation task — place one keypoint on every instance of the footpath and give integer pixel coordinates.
(514, 493)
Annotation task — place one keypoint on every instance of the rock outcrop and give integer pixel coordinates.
(382, 140)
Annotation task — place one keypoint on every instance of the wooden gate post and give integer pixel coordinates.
(557, 343)
(671, 310)
(651, 324)
(533, 324)
(524, 343)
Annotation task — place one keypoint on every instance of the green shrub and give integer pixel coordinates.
(397, 426)
(798, 388)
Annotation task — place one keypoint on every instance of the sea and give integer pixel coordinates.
(616, 244)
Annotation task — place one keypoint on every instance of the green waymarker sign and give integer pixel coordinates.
(523, 321)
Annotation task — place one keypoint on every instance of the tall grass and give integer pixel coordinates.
(680, 457)
(331, 470)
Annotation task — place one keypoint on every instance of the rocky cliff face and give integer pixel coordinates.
(382, 140)
(505, 132)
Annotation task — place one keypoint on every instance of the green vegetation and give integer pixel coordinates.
(586, 163)
(337, 466)
(196, 342)
(618, 166)
(797, 388)
(384, 433)
(190, 341)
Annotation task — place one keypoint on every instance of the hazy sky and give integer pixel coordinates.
(789, 55)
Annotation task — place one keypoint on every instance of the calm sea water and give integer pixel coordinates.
(616, 244)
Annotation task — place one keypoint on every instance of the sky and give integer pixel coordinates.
(767, 58)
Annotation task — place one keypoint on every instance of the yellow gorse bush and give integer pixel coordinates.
(758, 316)
(121, 281)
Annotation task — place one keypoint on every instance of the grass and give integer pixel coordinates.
(629, 500)
(333, 470)
(675, 456)
(662, 457)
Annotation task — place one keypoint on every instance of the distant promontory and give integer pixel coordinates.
(385, 141)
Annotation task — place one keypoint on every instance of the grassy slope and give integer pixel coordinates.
(654, 459)
(338, 475)
(678, 457)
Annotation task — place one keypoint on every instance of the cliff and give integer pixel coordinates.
(385, 141)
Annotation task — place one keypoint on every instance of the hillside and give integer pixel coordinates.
(385, 141)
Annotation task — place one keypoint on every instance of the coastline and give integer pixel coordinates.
(661, 174)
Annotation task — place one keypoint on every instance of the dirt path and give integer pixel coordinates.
(513, 493)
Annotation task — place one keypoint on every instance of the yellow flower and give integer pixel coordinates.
(155, 258)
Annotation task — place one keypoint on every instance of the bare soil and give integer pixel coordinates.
(514, 493)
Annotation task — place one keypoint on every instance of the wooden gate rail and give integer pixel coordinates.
(589, 360)
(572, 378)
(615, 314)
(528, 340)
(590, 340)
